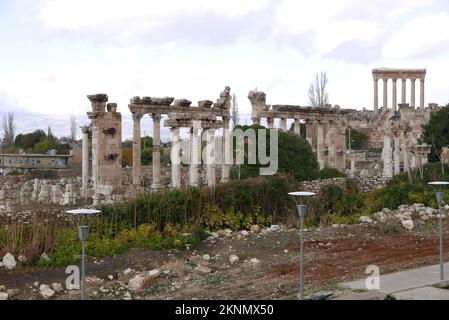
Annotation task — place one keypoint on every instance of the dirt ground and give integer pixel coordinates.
(332, 255)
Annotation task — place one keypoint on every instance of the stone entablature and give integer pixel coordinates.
(325, 127)
(386, 74)
(180, 113)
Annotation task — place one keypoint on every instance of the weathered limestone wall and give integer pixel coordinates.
(17, 192)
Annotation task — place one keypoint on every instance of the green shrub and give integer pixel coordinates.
(329, 173)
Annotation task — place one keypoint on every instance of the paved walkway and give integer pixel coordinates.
(415, 284)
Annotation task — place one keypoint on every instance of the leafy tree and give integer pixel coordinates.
(436, 132)
(359, 140)
(295, 156)
(127, 157)
(147, 156)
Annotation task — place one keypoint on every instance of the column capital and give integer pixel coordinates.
(85, 129)
(413, 80)
(394, 80)
(156, 116)
(137, 116)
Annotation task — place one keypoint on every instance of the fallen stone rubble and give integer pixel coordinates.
(408, 216)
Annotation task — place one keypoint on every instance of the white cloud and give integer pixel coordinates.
(424, 35)
(331, 23)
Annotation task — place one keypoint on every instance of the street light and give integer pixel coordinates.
(439, 186)
(302, 210)
(83, 234)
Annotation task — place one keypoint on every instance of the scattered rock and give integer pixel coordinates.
(2, 288)
(13, 292)
(233, 259)
(154, 273)
(408, 224)
(111, 277)
(206, 257)
(46, 292)
(196, 260)
(254, 261)
(9, 262)
(57, 287)
(45, 257)
(365, 219)
(203, 269)
(36, 284)
(127, 272)
(4, 296)
(136, 283)
(127, 296)
(255, 228)
(245, 233)
(22, 259)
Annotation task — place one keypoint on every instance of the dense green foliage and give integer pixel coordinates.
(328, 173)
(146, 145)
(295, 156)
(359, 140)
(40, 142)
(436, 132)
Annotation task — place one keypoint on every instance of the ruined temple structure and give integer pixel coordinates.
(393, 130)
(207, 115)
(106, 185)
(106, 125)
(325, 127)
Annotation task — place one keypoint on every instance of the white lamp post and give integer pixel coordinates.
(439, 186)
(302, 210)
(83, 234)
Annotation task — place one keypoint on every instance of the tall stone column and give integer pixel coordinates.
(227, 151)
(412, 93)
(404, 86)
(284, 124)
(320, 145)
(395, 102)
(175, 159)
(210, 158)
(421, 94)
(386, 157)
(195, 149)
(156, 184)
(137, 169)
(270, 123)
(385, 102)
(397, 162)
(85, 161)
(376, 95)
(297, 127)
(309, 133)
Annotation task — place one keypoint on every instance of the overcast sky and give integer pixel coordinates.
(55, 52)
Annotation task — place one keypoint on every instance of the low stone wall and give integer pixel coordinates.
(17, 192)
(317, 185)
(366, 184)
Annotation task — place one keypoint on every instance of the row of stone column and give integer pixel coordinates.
(394, 97)
(137, 153)
(320, 138)
(195, 144)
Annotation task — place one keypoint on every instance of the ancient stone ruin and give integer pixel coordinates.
(392, 130)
